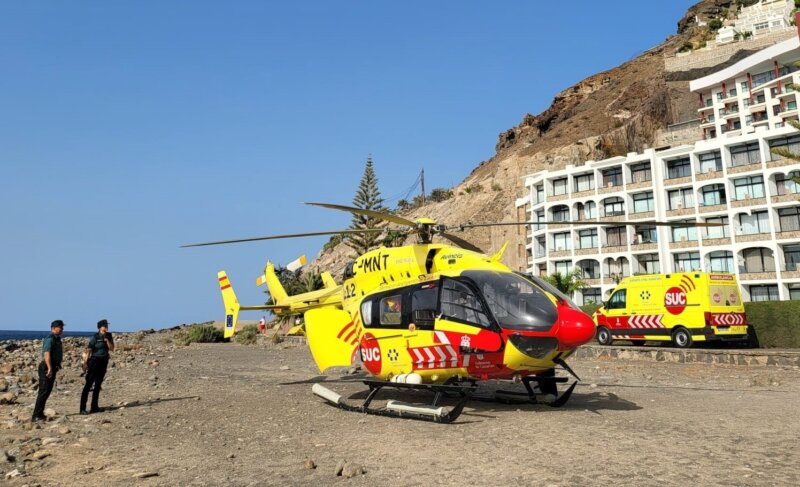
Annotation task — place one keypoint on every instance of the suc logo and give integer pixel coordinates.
(675, 300)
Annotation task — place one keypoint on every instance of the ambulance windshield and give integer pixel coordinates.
(514, 301)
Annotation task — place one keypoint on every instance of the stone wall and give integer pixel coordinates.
(713, 56)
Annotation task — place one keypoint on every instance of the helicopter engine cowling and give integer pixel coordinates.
(574, 328)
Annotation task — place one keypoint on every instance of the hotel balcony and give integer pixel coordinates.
(728, 114)
(641, 215)
(640, 184)
(683, 244)
(581, 194)
(785, 198)
(756, 166)
(557, 197)
(705, 176)
(793, 234)
(644, 246)
(779, 161)
(681, 211)
(744, 275)
(713, 208)
(611, 249)
(709, 242)
(675, 181)
(559, 253)
(753, 237)
(614, 216)
(790, 274)
(748, 202)
(587, 251)
(609, 188)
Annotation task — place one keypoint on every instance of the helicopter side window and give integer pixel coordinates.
(366, 312)
(391, 310)
(423, 306)
(459, 303)
(617, 300)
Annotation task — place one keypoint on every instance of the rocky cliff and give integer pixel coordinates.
(608, 114)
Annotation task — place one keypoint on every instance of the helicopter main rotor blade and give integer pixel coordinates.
(461, 242)
(289, 235)
(677, 224)
(371, 213)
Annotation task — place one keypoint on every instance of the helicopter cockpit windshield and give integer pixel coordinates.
(514, 302)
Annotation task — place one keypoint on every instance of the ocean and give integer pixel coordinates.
(38, 335)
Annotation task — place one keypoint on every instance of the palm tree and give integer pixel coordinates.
(784, 152)
(567, 283)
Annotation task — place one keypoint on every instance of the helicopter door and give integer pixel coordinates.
(462, 311)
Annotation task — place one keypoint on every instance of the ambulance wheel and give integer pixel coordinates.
(604, 336)
(681, 338)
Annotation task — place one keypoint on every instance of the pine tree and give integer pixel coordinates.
(367, 197)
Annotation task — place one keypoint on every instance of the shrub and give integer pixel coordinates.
(687, 46)
(496, 187)
(333, 242)
(199, 334)
(775, 323)
(441, 194)
(715, 24)
(248, 335)
(475, 188)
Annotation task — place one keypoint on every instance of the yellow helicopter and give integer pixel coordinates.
(431, 316)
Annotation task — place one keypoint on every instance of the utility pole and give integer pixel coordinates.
(422, 179)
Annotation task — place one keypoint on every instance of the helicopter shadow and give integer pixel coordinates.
(324, 379)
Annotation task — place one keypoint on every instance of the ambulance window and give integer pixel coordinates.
(617, 300)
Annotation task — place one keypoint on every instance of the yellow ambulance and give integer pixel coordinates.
(682, 308)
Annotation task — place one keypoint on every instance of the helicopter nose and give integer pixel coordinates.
(576, 328)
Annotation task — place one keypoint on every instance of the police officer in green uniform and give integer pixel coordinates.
(52, 354)
(95, 365)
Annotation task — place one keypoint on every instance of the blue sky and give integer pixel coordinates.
(128, 129)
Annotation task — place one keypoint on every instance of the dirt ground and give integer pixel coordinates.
(226, 414)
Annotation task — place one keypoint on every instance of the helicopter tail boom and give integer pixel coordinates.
(231, 304)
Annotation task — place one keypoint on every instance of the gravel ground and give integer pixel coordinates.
(225, 414)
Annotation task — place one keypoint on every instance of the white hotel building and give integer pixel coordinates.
(729, 177)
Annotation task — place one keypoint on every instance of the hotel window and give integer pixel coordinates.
(757, 222)
(649, 264)
(683, 234)
(563, 267)
(584, 182)
(786, 183)
(710, 161)
(539, 218)
(590, 269)
(680, 198)
(616, 236)
(613, 207)
(749, 187)
(794, 292)
(591, 295)
(679, 168)
(721, 261)
(589, 210)
(791, 143)
(539, 193)
(744, 154)
(768, 292)
(789, 219)
(791, 255)
(792, 105)
(588, 239)
(718, 232)
(559, 186)
(612, 177)
(687, 261)
(646, 234)
(560, 213)
(758, 260)
(743, 84)
(713, 195)
(641, 172)
(562, 241)
(643, 202)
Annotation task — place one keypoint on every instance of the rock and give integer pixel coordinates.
(5, 457)
(310, 464)
(50, 412)
(339, 467)
(50, 440)
(153, 378)
(13, 473)
(64, 430)
(154, 363)
(350, 470)
(41, 454)
(593, 386)
(145, 475)
(8, 398)
(3, 385)
(284, 367)
(7, 369)
(231, 455)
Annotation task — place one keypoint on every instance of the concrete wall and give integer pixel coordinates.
(714, 56)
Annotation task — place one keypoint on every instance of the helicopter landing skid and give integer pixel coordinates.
(397, 409)
(549, 395)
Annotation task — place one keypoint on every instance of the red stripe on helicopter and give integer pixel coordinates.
(344, 329)
(226, 286)
(436, 357)
(223, 278)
